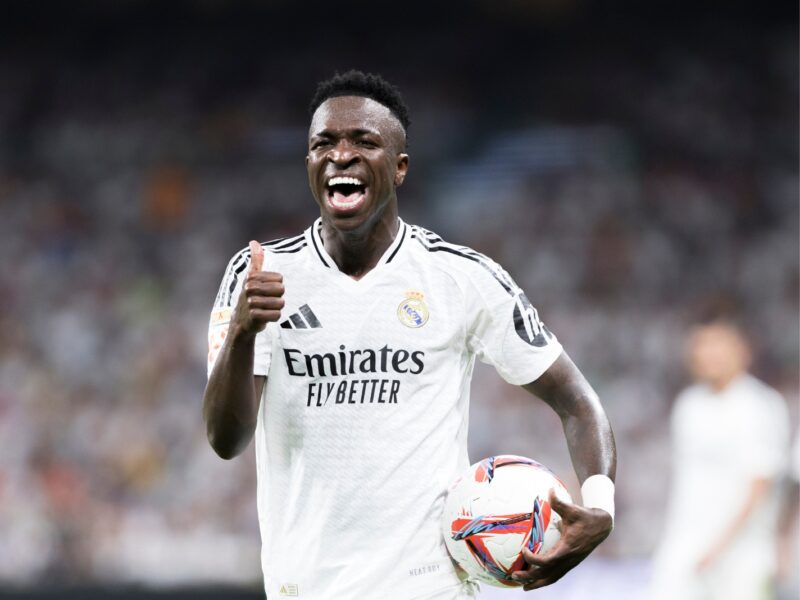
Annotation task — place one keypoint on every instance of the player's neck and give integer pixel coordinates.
(721, 384)
(357, 252)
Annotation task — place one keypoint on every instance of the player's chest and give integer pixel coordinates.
(713, 434)
(404, 313)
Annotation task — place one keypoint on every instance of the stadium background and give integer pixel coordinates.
(629, 166)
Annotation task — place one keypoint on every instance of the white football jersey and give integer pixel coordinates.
(722, 441)
(363, 420)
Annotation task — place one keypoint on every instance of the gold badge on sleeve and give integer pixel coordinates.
(413, 312)
(221, 316)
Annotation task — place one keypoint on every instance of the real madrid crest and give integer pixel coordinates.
(413, 312)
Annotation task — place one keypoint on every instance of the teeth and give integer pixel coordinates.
(344, 181)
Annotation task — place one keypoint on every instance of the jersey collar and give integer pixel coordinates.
(319, 252)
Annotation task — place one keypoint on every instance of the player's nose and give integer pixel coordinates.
(343, 154)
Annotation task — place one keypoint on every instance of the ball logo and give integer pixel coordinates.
(413, 312)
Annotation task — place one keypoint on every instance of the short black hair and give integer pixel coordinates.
(368, 85)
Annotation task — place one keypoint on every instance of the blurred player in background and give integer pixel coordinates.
(730, 446)
(348, 350)
(789, 527)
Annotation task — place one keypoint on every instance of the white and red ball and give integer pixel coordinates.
(498, 506)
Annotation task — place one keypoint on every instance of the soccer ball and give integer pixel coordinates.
(496, 507)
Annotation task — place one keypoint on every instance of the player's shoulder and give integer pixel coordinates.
(692, 393)
(763, 409)
(751, 383)
(461, 262)
(286, 249)
(760, 395)
(278, 256)
(691, 399)
(281, 250)
(433, 243)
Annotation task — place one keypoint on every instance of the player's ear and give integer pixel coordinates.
(402, 169)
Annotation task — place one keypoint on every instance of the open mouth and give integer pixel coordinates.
(346, 193)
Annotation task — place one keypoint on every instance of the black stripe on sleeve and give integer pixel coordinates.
(222, 292)
(507, 286)
(234, 280)
(287, 242)
(290, 250)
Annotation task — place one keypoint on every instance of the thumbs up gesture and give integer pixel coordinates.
(261, 299)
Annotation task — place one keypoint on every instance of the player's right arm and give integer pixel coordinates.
(231, 398)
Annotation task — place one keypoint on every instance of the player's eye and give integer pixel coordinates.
(367, 144)
(320, 144)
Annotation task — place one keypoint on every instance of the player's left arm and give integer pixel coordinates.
(594, 457)
(757, 492)
(763, 446)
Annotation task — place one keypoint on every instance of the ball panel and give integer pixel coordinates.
(499, 505)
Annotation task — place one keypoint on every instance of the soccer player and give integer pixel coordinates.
(347, 351)
(730, 435)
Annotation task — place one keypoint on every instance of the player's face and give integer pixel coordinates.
(355, 160)
(716, 354)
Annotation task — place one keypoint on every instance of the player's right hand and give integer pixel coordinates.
(261, 299)
(582, 529)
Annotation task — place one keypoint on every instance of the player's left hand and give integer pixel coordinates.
(708, 559)
(582, 531)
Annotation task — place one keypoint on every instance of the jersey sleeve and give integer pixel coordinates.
(503, 328)
(764, 442)
(227, 297)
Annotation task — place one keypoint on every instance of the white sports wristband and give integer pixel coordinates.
(598, 492)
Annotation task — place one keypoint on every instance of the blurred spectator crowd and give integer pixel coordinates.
(624, 192)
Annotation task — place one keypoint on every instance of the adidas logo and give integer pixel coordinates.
(304, 318)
